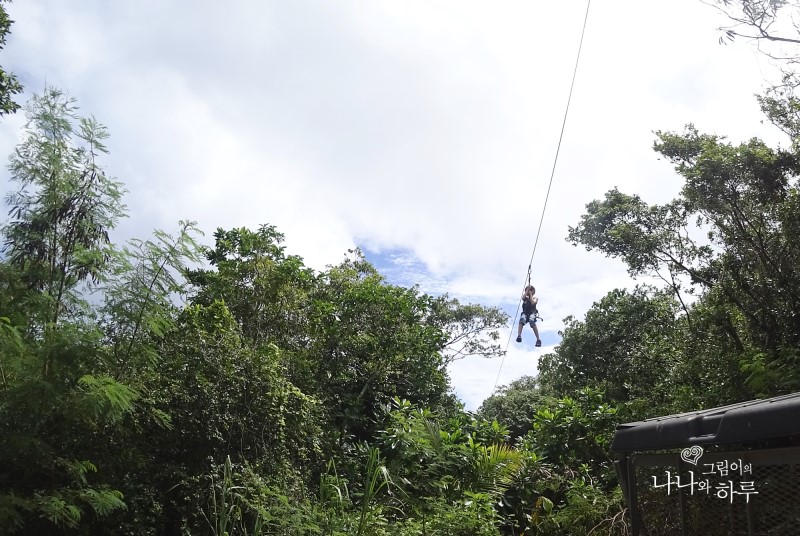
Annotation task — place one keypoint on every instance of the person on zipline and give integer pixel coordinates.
(529, 312)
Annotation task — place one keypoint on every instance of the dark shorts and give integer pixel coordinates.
(526, 318)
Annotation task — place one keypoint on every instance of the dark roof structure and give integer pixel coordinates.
(738, 423)
(761, 435)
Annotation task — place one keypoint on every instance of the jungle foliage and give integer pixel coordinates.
(167, 387)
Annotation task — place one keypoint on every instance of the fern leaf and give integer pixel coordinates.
(103, 501)
(107, 397)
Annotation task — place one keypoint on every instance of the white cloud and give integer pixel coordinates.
(427, 127)
(476, 378)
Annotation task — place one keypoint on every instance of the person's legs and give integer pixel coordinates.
(522, 322)
(536, 332)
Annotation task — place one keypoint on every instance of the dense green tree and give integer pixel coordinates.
(710, 369)
(65, 205)
(513, 405)
(572, 470)
(371, 344)
(625, 346)
(349, 337)
(471, 329)
(575, 428)
(224, 399)
(443, 466)
(9, 85)
(56, 394)
(265, 289)
(48, 418)
(139, 296)
(64, 409)
(745, 198)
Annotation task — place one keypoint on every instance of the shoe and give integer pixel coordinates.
(538, 342)
(519, 339)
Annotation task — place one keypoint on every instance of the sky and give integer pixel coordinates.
(422, 131)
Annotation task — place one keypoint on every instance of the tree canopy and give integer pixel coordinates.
(9, 85)
(143, 383)
(165, 386)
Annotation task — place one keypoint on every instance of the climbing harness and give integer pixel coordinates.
(535, 311)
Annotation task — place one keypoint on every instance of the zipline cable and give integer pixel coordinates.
(549, 186)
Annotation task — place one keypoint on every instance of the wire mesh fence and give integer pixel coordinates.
(730, 493)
